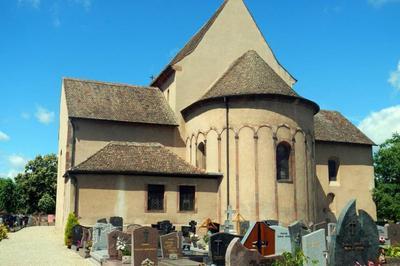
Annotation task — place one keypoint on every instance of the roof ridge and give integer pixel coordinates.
(136, 144)
(117, 84)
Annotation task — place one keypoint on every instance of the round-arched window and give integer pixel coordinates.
(201, 155)
(282, 161)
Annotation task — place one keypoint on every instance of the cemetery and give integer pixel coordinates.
(354, 240)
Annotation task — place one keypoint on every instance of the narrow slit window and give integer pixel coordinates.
(282, 161)
(333, 168)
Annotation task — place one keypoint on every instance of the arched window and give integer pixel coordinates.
(333, 169)
(282, 161)
(201, 155)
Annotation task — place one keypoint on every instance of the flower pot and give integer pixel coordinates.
(126, 259)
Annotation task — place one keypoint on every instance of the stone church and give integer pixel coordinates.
(220, 126)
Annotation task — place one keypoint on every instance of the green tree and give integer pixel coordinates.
(387, 179)
(39, 179)
(8, 195)
(47, 204)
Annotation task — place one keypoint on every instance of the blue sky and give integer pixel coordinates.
(344, 54)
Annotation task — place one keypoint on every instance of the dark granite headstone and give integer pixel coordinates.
(393, 233)
(297, 230)
(77, 232)
(356, 239)
(144, 246)
(102, 221)
(260, 237)
(171, 245)
(186, 230)
(217, 246)
(117, 222)
(113, 237)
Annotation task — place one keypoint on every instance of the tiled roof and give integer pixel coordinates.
(116, 102)
(138, 158)
(332, 126)
(249, 74)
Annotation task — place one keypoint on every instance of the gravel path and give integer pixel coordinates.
(37, 246)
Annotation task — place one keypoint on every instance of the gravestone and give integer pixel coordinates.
(271, 222)
(314, 248)
(243, 227)
(86, 237)
(77, 232)
(117, 222)
(393, 233)
(144, 246)
(171, 245)
(218, 245)
(228, 225)
(186, 230)
(282, 239)
(113, 237)
(297, 230)
(102, 221)
(356, 239)
(237, 254)
(260, 237)
(99, 236)
(164, 227)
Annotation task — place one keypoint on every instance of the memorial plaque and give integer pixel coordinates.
(113, 237)
(314, 248)
(282, 239)
(297, 230)
(356, 239)
(144, 246)
(218, 244)
(237, 254)
(393, 233)
(171, 244)
(261, 238)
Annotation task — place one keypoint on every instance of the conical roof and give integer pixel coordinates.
(249, 74)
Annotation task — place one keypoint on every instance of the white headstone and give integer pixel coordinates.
(314, 248)
(282, 239)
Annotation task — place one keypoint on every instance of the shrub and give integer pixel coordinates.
(393, 251)
(46, 204)
(3, 232)
(298, 259)
(71, 222)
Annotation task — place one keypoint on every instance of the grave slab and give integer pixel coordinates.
(314, 248)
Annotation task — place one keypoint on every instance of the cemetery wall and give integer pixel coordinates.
(233, 33)
(355, 178)
(256, 127)
(93, 135)
(126, 196)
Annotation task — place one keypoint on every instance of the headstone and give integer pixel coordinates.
(297, 230)
(356, 239)
(261, 238)
(186, 230)
(237, 254)
(164, 227)
(218, 244)
(86, 236)
(30, 220)
(314, 248)
(393, 233)
(117, 222)
(243, 227)
(115, 236)
(282, 239)
(102, 221)
(271, 222)
(171, 245)
(77, 235)
(186, 249)
(228, 225)
(144, 246)
(51, 218)
(99, 236)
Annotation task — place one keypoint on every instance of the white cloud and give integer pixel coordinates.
(379, 3)
(44, 116)
(4, 136)
(17, 161)
(394, 78)
(381, 125)
(32, 3)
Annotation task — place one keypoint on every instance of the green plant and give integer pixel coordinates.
(206, 238)
(393, 251)
(71, 222)
(297, 259)
(3, 232)
(46, 204)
